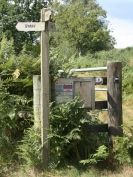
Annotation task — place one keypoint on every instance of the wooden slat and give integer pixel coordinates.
(101, 89)
(98, 80)
(86, 91)
(114, 96)
(96, 128)
(101, 105)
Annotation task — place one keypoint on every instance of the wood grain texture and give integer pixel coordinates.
(44, 91)
(36, 101)
(114, 94)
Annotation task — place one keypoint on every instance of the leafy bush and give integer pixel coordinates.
(127, 80)
(15, 116)
(121, 153)
(123, 148)
(101, 154)
(29, 149)
(70, 142)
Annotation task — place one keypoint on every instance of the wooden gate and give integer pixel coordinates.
(66, 89)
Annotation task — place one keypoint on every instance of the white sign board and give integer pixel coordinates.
(30, 26)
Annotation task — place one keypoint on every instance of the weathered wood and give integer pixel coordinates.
(44, 91)
(47, 14)
(61, 94)
(96, 128)
(100, 89)
(82, 87)
(114, 94)
(101, 105)
(86, 91)
(98, 80)
(36, 101)
(30, 26)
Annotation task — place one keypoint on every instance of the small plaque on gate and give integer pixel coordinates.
(68, 88)
(64, 92)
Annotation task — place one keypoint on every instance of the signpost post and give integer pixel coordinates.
(42, 26)
(44, 90)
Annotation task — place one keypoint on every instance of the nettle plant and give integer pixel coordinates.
(123, 147)
(70, 142)
(15, 116)
(29, 148)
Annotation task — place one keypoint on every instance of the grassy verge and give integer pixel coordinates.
(73, 172)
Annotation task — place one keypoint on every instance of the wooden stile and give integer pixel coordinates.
(114, 94)
(96, 128)
(66, 88)
(86, 91)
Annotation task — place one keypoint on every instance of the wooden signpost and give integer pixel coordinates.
(42, 26)
(30, 26)
(113, 82)
(44, 90)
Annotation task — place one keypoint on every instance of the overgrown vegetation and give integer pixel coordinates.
(69, 143)
(85, 45)
(29, 149)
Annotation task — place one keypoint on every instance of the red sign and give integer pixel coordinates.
(68, 88)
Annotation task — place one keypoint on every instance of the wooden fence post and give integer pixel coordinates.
(114, 86)
(37, 101)
(45, 90)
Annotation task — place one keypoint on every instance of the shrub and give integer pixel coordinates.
(70, 142)
(127, 80)
(123, 148)
(15, 116)
(100, 155)
(29, 149)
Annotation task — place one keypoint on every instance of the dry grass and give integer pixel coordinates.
(73, 172)
(125, 172)
(128, 112)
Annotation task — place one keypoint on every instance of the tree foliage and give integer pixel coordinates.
(84, 26)
(81, 27)
(13, 11)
